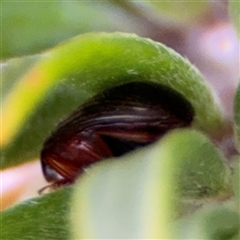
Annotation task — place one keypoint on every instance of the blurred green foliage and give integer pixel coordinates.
(185, 167)
(234, 11)
(179, 12)
(29, 27)
(141, 193)
(237, 116)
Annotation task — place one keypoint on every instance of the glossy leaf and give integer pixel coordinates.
(69, 74)
(138, 195)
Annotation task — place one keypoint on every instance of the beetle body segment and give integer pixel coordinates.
(110, 124)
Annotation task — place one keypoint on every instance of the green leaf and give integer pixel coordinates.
(135, 195)
(237, 237)
(41, 218)
(167, 13)
(171, 11)
(15, 69)
(138, 195)
(211, 222)
(71, 73)
(236, 183)
(234, 9)
(237, 116)
(55, 21)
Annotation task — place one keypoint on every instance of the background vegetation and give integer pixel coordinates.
(56, 55)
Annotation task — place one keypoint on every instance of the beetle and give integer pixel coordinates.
(111, 124)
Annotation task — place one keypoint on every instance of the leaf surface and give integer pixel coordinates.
(138, 195)
(71, 73)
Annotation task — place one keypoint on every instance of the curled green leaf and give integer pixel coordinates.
(69, 74)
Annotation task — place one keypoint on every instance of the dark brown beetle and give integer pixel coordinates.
(112, 123)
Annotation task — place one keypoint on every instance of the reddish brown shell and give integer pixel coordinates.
(112, 123)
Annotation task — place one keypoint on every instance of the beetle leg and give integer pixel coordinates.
(52, 187)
